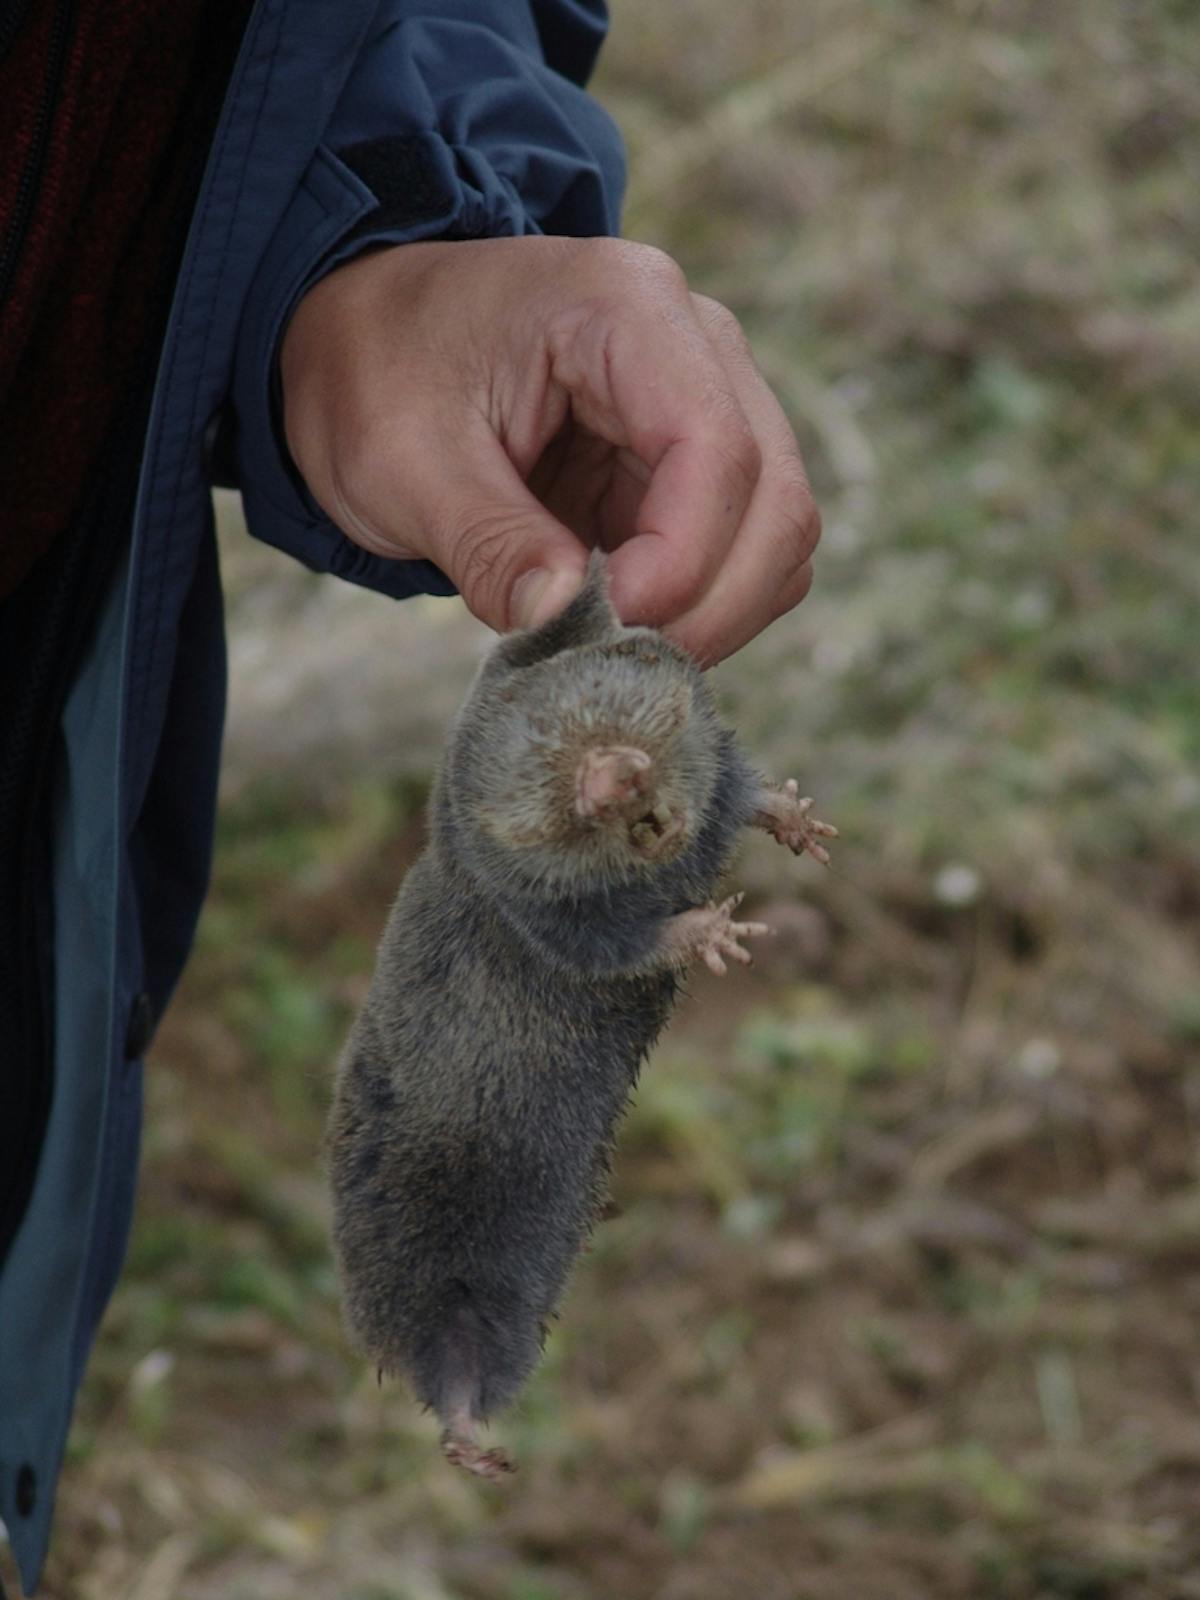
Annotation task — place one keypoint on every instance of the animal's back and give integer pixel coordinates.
(475, 1106)
(587, 804)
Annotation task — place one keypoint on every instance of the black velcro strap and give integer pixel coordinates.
(397, 171)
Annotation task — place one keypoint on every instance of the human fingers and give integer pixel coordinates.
(642, 374)
(514, 564)
(768, 567)
(423, 383)
(386, 416)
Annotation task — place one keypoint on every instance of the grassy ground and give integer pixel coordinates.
(903, 1300)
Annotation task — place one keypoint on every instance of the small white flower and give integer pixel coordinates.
(957, 885)
(1039, 1058)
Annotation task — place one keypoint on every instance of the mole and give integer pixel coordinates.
(586, 807)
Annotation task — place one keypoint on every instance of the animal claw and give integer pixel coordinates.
(784, 814)
(462, 1451)
(717, 935)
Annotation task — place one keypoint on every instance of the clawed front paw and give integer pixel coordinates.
(785, 816)
(716, 935)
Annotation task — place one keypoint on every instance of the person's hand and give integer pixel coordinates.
(499, 406)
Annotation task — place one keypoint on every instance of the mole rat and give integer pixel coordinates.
(587, 803)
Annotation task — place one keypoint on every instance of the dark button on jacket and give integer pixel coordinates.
(141, 1027)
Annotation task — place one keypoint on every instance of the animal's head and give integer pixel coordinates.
(588, 749)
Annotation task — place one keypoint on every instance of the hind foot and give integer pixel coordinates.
(464, 1450)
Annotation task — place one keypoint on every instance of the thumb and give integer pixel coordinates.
(514, 564)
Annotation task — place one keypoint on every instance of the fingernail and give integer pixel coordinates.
(541, 594)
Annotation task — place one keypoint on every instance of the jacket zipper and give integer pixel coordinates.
(31, 176)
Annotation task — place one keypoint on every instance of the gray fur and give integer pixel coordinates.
(520, 982)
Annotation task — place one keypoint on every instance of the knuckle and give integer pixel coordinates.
(797, 539)
(739, 460)
(644, 266)
(790, 594)
(722, 325)
(799, 515)
(483, 545)
(687, 578)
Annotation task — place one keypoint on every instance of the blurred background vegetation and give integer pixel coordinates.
(903, 1300)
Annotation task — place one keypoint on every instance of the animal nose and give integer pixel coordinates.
(611, 777)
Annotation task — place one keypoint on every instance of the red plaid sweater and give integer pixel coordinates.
(97, 109)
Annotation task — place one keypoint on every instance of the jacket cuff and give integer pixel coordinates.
(328, 223)
(509, 157)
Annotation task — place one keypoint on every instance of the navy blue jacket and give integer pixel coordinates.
(344, 121)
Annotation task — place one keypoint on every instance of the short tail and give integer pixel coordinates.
(460, 1386)
(461, 1400)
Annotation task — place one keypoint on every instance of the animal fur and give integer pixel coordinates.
(588, 802)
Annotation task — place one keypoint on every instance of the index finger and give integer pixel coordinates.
(768, 568)
(652, 384)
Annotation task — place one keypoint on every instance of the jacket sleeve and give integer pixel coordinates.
(461, 121)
